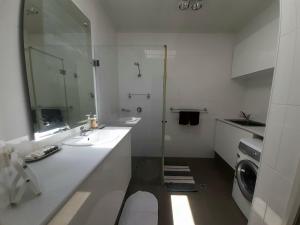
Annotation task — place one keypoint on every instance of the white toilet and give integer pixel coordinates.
(140, 208)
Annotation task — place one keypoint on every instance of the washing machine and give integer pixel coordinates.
(248, 158)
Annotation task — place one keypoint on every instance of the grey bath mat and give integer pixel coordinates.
(179, 179)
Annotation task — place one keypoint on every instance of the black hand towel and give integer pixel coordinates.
(184, 118)
(194, 118)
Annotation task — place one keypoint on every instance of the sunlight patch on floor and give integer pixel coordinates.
(181, 210)
(68, 212)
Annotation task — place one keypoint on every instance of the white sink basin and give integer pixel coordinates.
(99, 137)
(126, 121)
(129, 120)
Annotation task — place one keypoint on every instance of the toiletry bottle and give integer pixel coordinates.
(89, 122)
(94, 124)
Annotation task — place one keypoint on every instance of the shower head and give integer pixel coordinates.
(136, 64)
(32, 11)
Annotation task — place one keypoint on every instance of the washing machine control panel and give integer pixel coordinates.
(247, 150)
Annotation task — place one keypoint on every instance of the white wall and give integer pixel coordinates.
(14, 120)
(257, 95)
(198, 76)
(277, 189)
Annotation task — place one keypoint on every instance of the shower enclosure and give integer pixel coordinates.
(58, 87)
(141, 71)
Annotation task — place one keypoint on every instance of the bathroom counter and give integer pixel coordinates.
(260, 131)
(59, 177)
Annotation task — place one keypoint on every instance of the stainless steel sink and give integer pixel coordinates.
(247, 122)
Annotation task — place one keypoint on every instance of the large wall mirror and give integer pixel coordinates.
(58, 54)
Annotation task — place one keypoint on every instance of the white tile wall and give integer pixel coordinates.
(257, 95)
(146, 137)
(14, 121)
(277, 187)
(277, 197)
(294, 91)
(289, 153)
(288, 16)
(194, 81)
(284, 68)
(272, 139)
(8, 11)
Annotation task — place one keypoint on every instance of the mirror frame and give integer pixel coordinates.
(24, 71)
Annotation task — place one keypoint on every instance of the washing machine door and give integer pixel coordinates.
(246, 173)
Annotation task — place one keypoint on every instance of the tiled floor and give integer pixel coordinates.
(211, 205)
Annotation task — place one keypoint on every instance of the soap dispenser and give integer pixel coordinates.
(94, 124)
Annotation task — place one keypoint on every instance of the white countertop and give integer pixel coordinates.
(59, 176)
(260, 131)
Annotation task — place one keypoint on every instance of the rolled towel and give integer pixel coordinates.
(184, 118)
(194, 118)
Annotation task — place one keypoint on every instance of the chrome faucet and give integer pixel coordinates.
(83, 131)
(245, 115)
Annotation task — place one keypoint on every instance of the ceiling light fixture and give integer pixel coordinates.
(184, 4)
(196, 5)
(192, 4)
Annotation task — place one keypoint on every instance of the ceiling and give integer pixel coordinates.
(164, 15)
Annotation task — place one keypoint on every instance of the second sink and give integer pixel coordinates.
(247, 122)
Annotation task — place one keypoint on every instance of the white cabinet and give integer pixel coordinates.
(256, 45)
(98, 200)
(226, 141)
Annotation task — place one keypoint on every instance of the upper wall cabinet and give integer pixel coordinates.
(256, 44)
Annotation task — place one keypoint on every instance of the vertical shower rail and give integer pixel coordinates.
(164, 112)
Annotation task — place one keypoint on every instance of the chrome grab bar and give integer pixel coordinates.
(130, 95)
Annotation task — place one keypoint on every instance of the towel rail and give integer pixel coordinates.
(130, 95)
(177, 110)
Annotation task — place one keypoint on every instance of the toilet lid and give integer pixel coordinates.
(140, 208)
